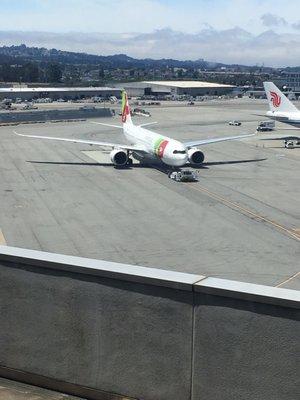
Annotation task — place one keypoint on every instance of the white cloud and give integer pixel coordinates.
(296, 25)
(270, 20)
(198, 28)
(234, 45)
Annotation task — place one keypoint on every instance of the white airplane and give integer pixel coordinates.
(281, 108)
(146, 145)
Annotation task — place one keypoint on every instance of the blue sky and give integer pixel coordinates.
(147, 15)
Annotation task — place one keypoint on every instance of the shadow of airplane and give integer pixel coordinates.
(87, 164)
(162, 168)
(233, 162)
(283, 138)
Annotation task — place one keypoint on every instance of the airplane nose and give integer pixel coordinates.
(181, 159)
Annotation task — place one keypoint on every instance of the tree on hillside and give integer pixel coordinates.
(30, 72)
(53, 73)
(101, 73)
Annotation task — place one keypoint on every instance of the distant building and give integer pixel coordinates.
(67, 93)
(291, 80)
(257, 93)
(177, 88)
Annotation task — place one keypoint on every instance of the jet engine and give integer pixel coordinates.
(119, 157)
(196, 157)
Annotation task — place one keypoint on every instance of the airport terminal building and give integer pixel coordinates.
(55, 93)
(177, 88)
(134, 89)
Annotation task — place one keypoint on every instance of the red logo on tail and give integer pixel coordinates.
(276, 99)
(125, 113)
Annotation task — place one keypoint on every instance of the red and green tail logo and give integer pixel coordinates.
(125, 107)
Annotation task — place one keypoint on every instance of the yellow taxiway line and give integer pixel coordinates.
(2, 239)
(292, 233)
(289, 279)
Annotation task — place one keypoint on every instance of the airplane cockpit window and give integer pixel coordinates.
(179, 152)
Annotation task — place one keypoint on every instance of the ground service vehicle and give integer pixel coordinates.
(289, 144)
(264, 126)
(140, 111)
(185, 175)
(235, 123)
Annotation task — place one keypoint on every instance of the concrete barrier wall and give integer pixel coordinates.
(50, 115)
(246, 343)
(97, 328)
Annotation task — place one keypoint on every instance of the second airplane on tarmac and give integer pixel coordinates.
(146, 145)
(281, 108)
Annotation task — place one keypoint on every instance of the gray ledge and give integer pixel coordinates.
(151, 276)
(249, 291)
(105, 269)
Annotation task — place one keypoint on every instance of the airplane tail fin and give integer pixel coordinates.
(126, 115)
(277, 100)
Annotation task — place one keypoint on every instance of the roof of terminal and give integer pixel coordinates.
(188, 84)
(53, 89)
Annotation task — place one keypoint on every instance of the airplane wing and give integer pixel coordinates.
(215, 140)
(90, 142)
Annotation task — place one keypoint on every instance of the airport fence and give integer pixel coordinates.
(52, 115)
(102, 330)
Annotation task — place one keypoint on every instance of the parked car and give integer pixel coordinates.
(87, 107)
(29, 106)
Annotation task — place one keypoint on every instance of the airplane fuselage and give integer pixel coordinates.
(169, 151)
(291, 118)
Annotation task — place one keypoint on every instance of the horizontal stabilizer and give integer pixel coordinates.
(260, 115)
(110, 125)
(147, 124)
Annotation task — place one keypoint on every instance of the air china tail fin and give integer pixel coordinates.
(277, 100)
(126, 116)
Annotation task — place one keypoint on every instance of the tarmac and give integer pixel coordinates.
(240, 221)
(12, 390)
